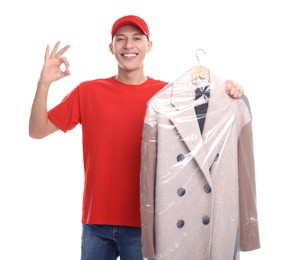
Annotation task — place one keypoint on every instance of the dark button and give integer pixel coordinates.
(180, 192)
(207, 188)
(216, 157)
(180, 223)
(180, 157)
(205, 220)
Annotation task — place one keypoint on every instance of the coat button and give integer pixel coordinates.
(180, 223)
(216, 157)
(180, 157)
(205, 220)
(180, 192)
(207, 188)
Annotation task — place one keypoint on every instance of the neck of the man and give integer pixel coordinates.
(134, 77)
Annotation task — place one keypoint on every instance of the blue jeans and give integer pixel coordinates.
(103, 242)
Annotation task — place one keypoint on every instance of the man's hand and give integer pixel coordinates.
(55, 66)
(233, 89)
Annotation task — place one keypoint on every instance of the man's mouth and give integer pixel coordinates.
(129, 55)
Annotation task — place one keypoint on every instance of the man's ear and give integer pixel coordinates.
(149, 46)
(111, 48)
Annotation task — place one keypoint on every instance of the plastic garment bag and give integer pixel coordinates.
(198, 189)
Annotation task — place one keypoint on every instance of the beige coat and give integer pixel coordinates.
(198, 194)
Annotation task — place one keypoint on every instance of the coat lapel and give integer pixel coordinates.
(185, 121)
(204, 148)
(220, 117)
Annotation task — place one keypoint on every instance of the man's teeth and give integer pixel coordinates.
(130, 55)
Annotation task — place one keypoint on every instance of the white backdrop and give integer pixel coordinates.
(41, 181)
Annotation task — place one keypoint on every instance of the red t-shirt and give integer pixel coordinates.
(111, 114)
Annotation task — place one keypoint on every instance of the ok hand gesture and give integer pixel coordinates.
(55, 66)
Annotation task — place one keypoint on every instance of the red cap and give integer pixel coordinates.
(130, 19)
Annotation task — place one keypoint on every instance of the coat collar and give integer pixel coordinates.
(201, 146)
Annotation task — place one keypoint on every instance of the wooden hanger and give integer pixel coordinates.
(200, 72)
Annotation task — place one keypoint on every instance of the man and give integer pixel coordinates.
(111, 112)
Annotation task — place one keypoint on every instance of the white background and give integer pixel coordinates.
(41, 181)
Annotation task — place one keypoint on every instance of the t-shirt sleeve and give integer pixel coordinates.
(66, 115)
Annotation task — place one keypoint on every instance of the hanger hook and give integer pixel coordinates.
(197, 53)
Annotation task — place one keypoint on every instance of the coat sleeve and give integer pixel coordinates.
(249, 230)
(148, 175)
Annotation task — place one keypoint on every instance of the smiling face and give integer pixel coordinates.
(130, 46)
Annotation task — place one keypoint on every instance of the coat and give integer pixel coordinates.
(198, 190)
